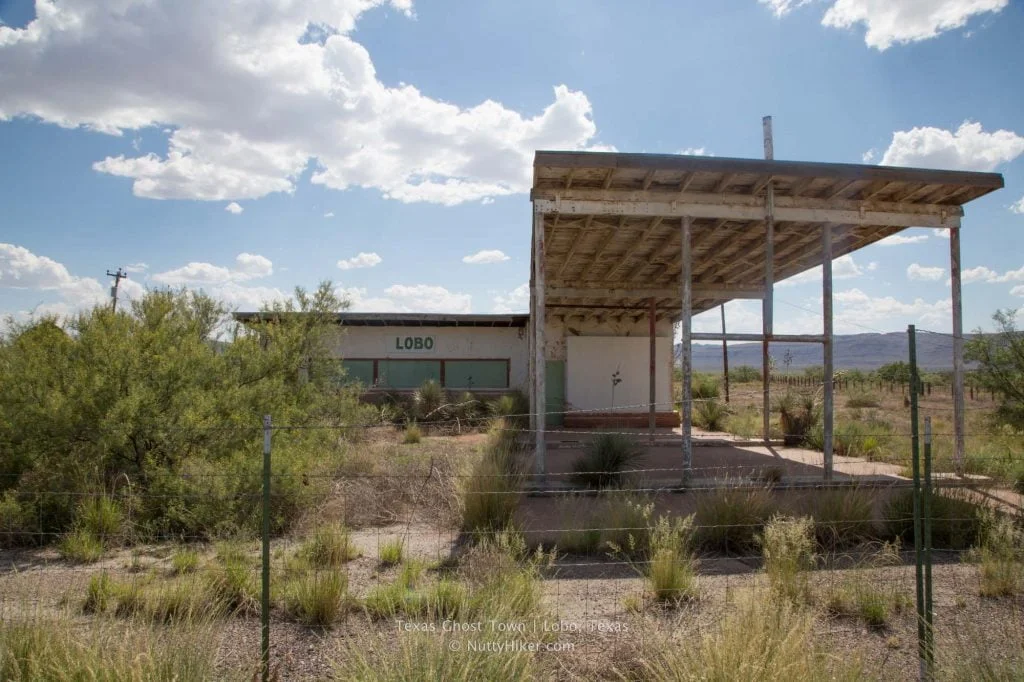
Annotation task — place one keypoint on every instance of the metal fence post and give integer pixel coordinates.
(265, 601)
(929, 633)
(915, 454)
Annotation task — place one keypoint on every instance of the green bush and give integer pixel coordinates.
(956, 521)
(185, 561)
(671, 572)
(744, 374)
(513, 408)
(710, 415)
(730, 519)
(866, 438)
(1000, 556)
(863, 399)
(159, 400)
(605, 457)
(703, 387)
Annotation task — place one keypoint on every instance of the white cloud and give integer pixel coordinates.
(1018, 206)
(234, 208)
(267, 102)
(869, 155)
(252, 265)
(968, 148)
(783, 7)
(247, 266)
(898, 240)
(843, 267)
(136, 268)
(856, 311)
(695, 151)
(1017, 290)
(940, 232)
(25, 270)
(891, 22)
(872, 266)
(515, 301)
(363, 260)
(245, 298)
(485, 257)
(401, 298)
(924, 273)
(984, 274)
(329, 214)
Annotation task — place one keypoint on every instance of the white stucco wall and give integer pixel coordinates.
(450, 343)
(592, 360)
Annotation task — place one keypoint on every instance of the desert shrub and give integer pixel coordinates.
(233, 580)
(703, 387)
(101, 517)
(841, 517)
(710, 415)
(605, 457)
(1000, 556)
(863, 438)
(798, 414)
(182, 600)
(513, 408)
(862, 399)
(18, 525)
(788, 548)
(858, 595)
(744, 374)
(391, 552)
(315, 597)
(99, 595)
(425, 657)
(59, 651)
(764, 639)
(671, 573)
(330, 546)
(412, 434)
(427, 400)
(184, 560)
(80, 547)
(489, 494)
(744, 422)
(197, 386)
(956, 521)
(730, 519)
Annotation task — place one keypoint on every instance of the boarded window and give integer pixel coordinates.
(474, 374)
(358, 371)
(407, 373)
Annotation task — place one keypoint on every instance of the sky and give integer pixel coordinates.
(246, 148)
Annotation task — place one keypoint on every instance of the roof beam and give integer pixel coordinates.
(637, 243)
(602, 246)
(575, 245)
(684, 183)
(699, 290)
(741, 208)
(724, 183)
(649, 178)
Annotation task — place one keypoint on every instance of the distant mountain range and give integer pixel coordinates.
(853, 351)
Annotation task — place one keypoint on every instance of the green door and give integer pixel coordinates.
(554, 392)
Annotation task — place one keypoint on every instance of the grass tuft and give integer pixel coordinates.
(330, 546)
(100, 594)
(185, 561)
(730, 519)
(412, 434)
(489, 495)
(788, 548)
(604, 460)
(391, 552)
(315, 597)
(81, 546)
(710, 414)
(1000, 556)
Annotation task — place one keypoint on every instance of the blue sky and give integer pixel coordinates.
(386, 145)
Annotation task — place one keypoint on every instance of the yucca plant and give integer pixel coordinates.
(797, 415)
(710, 415)
(427, 399)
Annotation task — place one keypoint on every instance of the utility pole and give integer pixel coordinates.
(118, 276)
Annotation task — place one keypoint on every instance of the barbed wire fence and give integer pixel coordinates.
(385, 543)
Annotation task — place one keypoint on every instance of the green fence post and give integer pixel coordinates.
(265, 602)
(927, 514)
(915, 454)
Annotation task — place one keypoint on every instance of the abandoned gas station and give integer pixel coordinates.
(625, 244)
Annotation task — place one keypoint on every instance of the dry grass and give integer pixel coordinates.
(788, 548)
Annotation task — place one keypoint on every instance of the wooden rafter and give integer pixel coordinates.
(602, 246)
(649, 178)
(637, 243)
(581, 233)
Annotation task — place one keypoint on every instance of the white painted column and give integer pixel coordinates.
(767, 310)
(539, 363)
(827, 348)
(686, 284)
(958, 349)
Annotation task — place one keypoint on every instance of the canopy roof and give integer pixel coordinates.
(612, 221)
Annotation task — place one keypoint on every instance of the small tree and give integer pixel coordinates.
(895, 372)
(1000, 358)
